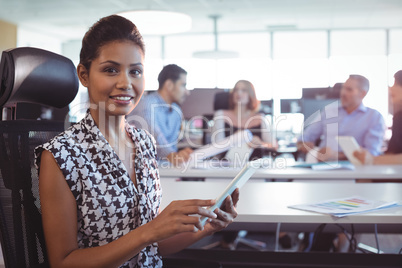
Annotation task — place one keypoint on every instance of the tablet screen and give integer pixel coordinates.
(349, 145)
(241, 178)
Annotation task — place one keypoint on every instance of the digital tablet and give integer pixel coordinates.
(241, 178)
(349, 145)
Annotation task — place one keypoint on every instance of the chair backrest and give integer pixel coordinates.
(37, 76)
(221, 101)
(33, 76)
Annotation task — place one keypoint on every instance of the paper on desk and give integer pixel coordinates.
(346, 206)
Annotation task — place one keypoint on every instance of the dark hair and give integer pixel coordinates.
(104, 31)
(398, 77)
(364, 83)
(253, 102)
(172, 72)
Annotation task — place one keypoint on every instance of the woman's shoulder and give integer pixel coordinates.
(65, 137)
(58, 145)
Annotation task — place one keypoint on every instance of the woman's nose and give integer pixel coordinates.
(124, 81)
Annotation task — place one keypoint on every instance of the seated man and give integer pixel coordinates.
(160, 114)
(393, 155)
(351, 118)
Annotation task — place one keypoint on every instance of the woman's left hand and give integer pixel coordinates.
(225, 214)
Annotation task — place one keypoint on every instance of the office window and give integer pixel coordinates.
(289, 76)
(395, 54)
(296, 45)
(29, 38)
(252, 64)
(153, 47)
(152, 68)
(257, 71)
(201, 73)
(300, 60)
(395, 42)
(183, 46)
(179, 50)
(355, 43)
(248, 45)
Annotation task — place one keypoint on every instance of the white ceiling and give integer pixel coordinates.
(69, 19)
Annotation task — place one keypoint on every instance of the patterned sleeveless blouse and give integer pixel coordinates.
(108, 203)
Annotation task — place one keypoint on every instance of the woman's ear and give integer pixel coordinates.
(83, 74)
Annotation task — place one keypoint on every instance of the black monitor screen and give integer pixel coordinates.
(266, 106)
(310, 106)
(200, 102)
(291, 106)
(320, 93)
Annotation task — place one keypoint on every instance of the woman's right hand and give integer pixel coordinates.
(181, 216)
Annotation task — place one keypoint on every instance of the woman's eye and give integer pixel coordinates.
(110, 70)
(136, 72)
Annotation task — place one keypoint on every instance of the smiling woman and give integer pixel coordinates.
(117, 76)
(99, 183)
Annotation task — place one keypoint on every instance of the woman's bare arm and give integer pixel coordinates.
(59, 214)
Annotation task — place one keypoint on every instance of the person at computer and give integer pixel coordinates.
(160, 114)
(393, 155)
(243, 114)
(99, 185)
(350, 118)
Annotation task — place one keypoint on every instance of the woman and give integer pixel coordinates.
(393, 155)
(99, 183)
(243, 114)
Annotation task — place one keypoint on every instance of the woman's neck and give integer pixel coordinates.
(112, 127)
(241, 111)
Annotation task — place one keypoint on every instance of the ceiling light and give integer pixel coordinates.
(215, 54)
(154, 22)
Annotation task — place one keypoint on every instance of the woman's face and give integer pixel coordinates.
(395, 93)
(240, 94)
(116, 79)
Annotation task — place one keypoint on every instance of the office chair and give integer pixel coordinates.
(28, 75)
(221, 100)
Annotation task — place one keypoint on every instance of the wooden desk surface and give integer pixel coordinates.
(360, 172)
(267, 202)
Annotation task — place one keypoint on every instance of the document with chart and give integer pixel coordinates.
(346, 206)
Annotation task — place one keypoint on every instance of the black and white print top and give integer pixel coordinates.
(108, 203)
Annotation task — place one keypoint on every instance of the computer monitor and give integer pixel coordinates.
(267, 107)
(320, 93)
(291, 106)
(200, 102)
(310, 106)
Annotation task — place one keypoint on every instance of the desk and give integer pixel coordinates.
(262, 205)
(361, 172)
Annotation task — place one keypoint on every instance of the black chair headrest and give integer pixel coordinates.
(36, 76)
(221, 101)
